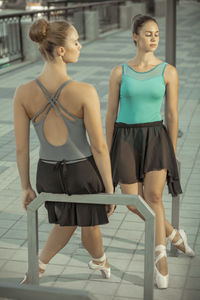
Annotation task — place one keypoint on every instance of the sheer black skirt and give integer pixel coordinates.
(72, 178)
(141, 148)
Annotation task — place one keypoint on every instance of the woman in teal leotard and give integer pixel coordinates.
(143, 150)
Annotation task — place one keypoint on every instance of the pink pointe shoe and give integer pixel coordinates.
(101, 267)
(183, 239)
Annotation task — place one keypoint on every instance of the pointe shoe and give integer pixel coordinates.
(183, 239)
(42, 268)
(162, 281)
(101, 267)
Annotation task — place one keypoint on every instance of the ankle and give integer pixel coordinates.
(102, 261)
(162, 266)
(176, 239)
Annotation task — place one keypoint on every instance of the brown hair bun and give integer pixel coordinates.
(39, 31)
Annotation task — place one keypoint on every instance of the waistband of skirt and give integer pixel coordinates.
(62, 162)
(139, 125)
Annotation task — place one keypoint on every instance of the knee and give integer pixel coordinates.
(89, 231)
(154, 197)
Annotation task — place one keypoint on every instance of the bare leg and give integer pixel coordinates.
(154, 183)
(92, 241)
(137, 189)
(58, 238)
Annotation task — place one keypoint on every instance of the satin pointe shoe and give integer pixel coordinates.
(161, 280)
(101, 267)
(183, 239)
(42, 268)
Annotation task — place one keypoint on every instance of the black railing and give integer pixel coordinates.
(11, 25)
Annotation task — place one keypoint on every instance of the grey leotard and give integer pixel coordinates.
(76, 147)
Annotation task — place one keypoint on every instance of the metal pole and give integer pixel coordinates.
(149, 259)
(170, 52)
(32, 231)
(170, 40)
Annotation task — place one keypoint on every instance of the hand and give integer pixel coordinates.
(28, 196)
(110, 208)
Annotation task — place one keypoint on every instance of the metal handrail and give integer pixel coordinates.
(122, 199)
(70, 8)
(32, 292)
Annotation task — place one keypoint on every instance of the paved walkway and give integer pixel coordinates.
(124, 236)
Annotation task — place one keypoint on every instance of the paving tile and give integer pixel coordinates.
(16, 234)
(15, 267)
(79, 260)
(11, 243)
(136, 266)
(177, 269)
(191, 295)
(119, 264)
(70, 283)
(116, 276)
(48, 280)
(128, 290)
(2, 262)
(6, 253)
(125, 298)
(11, 277)
(79, 273)
(136, 278)
(96, 287)
(193, 283)
(194, 271)
(176, 281)
(167, 294)
(103, 297)
(182, 259)
(54, 270)
(118, 253)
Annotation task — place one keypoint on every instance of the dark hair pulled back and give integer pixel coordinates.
(49, 35)
(138, 21)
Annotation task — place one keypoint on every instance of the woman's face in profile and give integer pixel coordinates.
(73, 47)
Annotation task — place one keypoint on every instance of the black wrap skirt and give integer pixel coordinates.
(72, 178)
(141, 148)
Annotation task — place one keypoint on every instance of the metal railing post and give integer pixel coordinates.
(170, 39)
(149, 259)
(32, 231)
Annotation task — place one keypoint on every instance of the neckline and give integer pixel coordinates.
(148, 70)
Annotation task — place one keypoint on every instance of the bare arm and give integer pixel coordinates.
(22, 131)
(113, 103)
(92, 120)
(171, 113)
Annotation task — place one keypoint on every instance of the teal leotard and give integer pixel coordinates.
(141, 95)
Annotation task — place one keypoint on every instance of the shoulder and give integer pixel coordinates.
(82, 89)
(116, 73)
(82, 92)
(23, 90)
(117, 70)
(170, 73)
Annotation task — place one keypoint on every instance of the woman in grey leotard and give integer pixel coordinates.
(61, 111)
